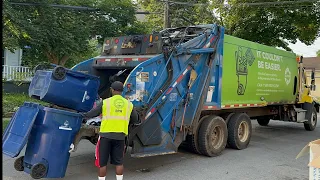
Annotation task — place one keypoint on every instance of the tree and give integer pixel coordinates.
(267, 24)
(272, 25)
(59, 35)
(318, 53)
(180, 15)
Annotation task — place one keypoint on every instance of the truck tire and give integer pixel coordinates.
(263, 121)
(212, 136)
(193, 144)
(192, 139)
(239, 131)
(312, 122)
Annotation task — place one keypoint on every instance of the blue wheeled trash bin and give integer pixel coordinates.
(65, 88)
(48, 133)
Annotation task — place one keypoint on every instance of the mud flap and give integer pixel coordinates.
(16, 134)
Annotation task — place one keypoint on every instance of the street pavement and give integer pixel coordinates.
(270, 156)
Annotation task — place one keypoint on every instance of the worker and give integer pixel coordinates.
(117, 114)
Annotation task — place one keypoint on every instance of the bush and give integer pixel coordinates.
(11, 102)
(5, 123)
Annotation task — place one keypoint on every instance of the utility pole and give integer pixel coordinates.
(166, 15)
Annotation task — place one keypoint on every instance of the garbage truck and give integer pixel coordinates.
(199, 87)
(192, 86)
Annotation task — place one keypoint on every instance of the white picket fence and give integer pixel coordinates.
(20, 73)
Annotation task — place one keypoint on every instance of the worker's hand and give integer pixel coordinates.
(84, 119)
(71, 148)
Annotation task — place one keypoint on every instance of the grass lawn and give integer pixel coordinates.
(5, 123)
(11, 102)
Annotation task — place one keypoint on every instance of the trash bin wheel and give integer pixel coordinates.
(38, 171)
(18, 164)
(59, 72)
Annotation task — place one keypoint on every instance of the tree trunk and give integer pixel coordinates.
(55, 60)
(52, 58)
(63, 60)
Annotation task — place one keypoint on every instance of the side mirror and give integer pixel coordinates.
(312, 75)
(313, 79)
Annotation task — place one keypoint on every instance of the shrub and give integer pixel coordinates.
(11, 102)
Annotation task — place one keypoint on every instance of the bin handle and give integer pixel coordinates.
(84, 96)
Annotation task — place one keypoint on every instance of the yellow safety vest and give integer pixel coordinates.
(116, 113)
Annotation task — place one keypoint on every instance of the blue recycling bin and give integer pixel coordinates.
(48, 133)
(65, 88)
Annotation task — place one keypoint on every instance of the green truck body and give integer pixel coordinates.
(254, 73)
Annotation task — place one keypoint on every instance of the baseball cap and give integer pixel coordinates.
(117, 86)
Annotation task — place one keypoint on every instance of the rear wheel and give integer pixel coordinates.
(18, 164)
(59, 72)
(38, 171)
(312, 122)
(213, 135)
(190, 144)
(263, 121)
(239, 131)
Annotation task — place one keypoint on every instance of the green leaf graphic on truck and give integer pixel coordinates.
(244, 57)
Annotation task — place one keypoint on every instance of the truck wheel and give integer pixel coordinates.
(227, 118)
(18, 164)
(239, 131)
(193, 144)
(192, 140)
(38, 171)
(264, 121)
(312, 123)
(213, 135)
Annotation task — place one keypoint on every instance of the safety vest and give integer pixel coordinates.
(116, 113)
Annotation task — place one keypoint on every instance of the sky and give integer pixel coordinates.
(304, 50)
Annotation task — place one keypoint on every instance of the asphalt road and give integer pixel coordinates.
(270, 156)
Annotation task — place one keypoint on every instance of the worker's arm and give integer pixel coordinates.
(93, 112)
(134, 118)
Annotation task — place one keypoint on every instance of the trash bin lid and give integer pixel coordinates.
(18, 130)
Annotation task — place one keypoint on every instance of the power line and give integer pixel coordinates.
(283, 6)
(56, 5)
(277, 2)
(185, 3)
(72, 7)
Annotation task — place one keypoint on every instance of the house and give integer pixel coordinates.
(310, 63)
(11, 58)
(11, 66)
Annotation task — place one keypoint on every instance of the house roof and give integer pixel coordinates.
(311, 62)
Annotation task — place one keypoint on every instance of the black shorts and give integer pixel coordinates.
(106, 147)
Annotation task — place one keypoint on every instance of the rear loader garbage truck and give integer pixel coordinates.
(192, 86)
(198, 87)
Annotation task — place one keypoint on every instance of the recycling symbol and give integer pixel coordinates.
(287, 76)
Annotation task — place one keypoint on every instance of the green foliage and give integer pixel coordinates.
(137, 28)
(269, 25)
(11, 102)
(5, 123)
(180, 15)
(318, 53)
(63, 36)
(11, 32)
